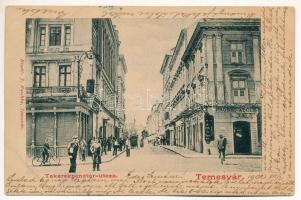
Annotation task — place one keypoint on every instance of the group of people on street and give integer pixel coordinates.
(96, 147)
(162, 140)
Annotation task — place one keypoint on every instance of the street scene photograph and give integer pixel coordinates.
(117, 95)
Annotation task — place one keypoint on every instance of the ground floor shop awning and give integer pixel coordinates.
(190, 111)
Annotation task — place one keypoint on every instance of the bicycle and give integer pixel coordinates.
(221, 156)
(52, 160)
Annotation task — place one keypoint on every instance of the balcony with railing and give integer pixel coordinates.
(56, 91)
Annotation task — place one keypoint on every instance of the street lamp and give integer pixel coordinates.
(86, 54)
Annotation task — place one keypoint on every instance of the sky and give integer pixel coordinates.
(144, 43)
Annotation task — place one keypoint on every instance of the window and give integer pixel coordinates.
(39, 76)
(239, 91)
(42, 36)
(65, 75)
(237, 53)
(67, 35)
(55, 36)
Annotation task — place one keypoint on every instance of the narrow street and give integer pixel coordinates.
(156, 158)
(107, 86)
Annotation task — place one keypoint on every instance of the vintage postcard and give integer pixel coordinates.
(194, 101)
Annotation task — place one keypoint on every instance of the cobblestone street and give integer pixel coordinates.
(158, 158)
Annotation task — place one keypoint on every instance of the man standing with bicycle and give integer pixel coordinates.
(45, 153)
(221, 146)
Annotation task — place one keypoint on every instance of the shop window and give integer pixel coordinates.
(237, 53)
(39, 76)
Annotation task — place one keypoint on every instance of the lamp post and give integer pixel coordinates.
(78, 76)
(86, 54)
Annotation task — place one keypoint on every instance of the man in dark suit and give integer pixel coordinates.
(45, 153)
(96, 154)
(72, 152)
(221, 146)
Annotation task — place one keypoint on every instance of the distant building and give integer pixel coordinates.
(120, 100)
(154, 122)
(71, 71)
(212, 87)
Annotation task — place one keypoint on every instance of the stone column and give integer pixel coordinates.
(219, 69)
(198, 61)
(254, 138)
(47, 37)
(96, 124)
(193, 136)
(33, 127)
(62, 37)
(55, 132)
(177, 133)
(78, 123)
(181, 135)
(257, 73)
(186, 144)
(210, 71)
(183, 132)
(86, 127)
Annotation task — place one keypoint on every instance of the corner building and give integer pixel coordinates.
(71, 71)
(213, 82)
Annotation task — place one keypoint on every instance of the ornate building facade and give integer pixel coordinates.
(120, 100)
(71, 71)
(212, 81)
(155, 122)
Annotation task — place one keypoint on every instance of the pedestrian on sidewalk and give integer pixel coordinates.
(72, 152)
(82, 149)
(127, 147)
(120, 144)
(115, 146)
(104, 146)
(109, 143)
(142, 143)
(123, 142)
(46, 150)
(96, 154)
(221, 146)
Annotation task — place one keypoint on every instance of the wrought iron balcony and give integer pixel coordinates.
(51, 91)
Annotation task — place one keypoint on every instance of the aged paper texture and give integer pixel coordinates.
(112, 100)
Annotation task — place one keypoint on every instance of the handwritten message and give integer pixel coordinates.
(277, 89)
(37, 12)
(151, 183)
(116, 12)
(121, 12)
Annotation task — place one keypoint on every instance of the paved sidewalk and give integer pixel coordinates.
(187, 153)
(104, 159)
